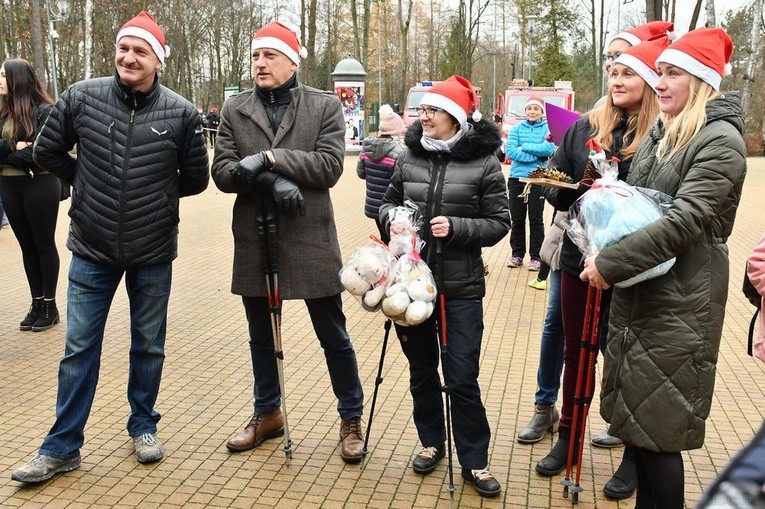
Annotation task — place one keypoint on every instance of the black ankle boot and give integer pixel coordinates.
(34, 311)
(555, 462)
(624, 481)
(47, 317)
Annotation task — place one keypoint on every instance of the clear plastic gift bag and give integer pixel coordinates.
(366, 273)
(407, 220)
(411, 293)
(612, 209)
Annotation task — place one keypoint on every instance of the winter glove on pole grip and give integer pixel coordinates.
(248, 169)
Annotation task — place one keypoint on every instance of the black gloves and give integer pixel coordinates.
(245, 172)
(287, 197)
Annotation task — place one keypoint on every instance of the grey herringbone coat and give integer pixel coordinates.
(309, 150)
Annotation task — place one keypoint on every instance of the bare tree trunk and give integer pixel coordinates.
(88, 39)
(653, 9)
(356, 35)
(405, 9)
(754, 57)
(711, 19)
(311, 40)
(695, 16)
(37, 35)
(366, 15)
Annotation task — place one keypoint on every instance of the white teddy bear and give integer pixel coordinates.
(409, 300)
(365, 274)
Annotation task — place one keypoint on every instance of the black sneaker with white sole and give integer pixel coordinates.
(483, 482)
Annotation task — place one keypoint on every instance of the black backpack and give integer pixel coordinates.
(751, 293)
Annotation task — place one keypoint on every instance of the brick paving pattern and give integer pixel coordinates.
(207, 389)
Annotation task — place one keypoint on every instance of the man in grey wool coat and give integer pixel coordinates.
(284, 140)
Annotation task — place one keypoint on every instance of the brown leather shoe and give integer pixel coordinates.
(353, 440)
(260, 428)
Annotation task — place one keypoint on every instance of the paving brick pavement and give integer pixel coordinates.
(207, 388)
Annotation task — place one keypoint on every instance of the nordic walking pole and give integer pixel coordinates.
(567, 482)
(583, 395)
(270, 251)
(378, 381)
(444, 357)
(592, 355)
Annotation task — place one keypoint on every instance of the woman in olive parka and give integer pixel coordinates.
(664, 333)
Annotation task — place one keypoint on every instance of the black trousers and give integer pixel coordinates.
(534, 207)
(329, 325)
(31, 205)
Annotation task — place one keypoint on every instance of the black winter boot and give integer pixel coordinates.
(48, 316)
(624, 481)
(34, 311)
(555, 462)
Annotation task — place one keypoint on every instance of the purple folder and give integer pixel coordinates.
(559, 120)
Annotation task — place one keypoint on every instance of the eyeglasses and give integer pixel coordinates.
(429, 112)
(611, 56)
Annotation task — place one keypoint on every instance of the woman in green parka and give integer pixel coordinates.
(664, 333)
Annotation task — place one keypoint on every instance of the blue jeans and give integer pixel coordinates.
(551, 349)
(464, 324)
(89, 297)
(329, 325)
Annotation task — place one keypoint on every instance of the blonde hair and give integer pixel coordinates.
(680, 129)
(606, 118)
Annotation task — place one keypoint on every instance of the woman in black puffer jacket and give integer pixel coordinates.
(451, 172)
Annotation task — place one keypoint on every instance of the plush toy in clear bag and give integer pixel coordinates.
(406, 221)
(410, 297)
(612, 209)
(366, 273)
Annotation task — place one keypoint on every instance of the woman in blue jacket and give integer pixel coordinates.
(527, 148)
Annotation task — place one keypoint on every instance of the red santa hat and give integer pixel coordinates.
(646, 31)
(278, 36)
(642, 58)
(456, 96)
(145, 27)
(536, 101)
(704, 52)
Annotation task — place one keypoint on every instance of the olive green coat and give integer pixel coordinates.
(308, 149)
(664, 333)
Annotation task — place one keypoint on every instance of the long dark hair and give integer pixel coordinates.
(25, 92)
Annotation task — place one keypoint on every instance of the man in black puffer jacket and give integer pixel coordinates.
(140, 148)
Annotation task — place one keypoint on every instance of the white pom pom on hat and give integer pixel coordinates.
(281, 37)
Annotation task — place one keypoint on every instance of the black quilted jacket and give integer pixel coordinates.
(137, 154)
(467, 186)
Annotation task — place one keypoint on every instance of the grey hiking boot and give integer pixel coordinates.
(545, 419)
(42, 467)
(147, 448)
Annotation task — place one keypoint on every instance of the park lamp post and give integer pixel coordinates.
(530, 21)
(63, 13)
